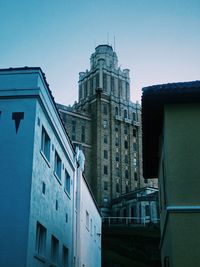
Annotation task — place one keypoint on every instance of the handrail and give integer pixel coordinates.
(129, 220)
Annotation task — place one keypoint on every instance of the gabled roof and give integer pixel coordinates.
(154, 99)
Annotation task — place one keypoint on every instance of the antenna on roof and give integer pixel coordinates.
(114, 43)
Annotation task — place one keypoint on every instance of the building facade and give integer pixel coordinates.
(107, 125)
(39, 192)
(171, 152)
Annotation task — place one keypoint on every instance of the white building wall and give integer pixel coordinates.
(89, 227)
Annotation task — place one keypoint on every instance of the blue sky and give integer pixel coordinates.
(158, 40)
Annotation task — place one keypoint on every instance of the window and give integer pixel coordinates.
(83, 134)
(57, 165)
(105, 139)
(54, 249)
(134, 132)
(116, 111)
(147, 210)
(126, 159)
(117, 172)
(117, 142)
(125, 114)
(116, 128)
(105, 154)
(105, 185)
(125, 129)
(43, 188)
(40, 239)
(87, 219)
(127, 188)
(135, 146)
(126, 144)
(104, 82)
(65, 257)
(95, 232)
(117, 187)
(135, 176)
(67, 182)
(134, 161)
(105, 169)
(134, 116)
(97, 80)
(126, 174)
(105, 109)
(112, 84)
(56, 206)
(66, 217)
(73, 130)
(117, 157)
(45, 145)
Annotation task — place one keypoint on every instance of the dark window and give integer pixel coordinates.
(127, 188)
(112, 84)
(117, 172)
(126, 174)
(116, 111)
(45, 144)
(40, 245)
(125, 129)
(97, 80)
(125, 114)
(134, 132)
(66, 217)
(124, 213)
(105, 185)
(105, 139)
(104, 82)
(67, 182)
(147, 210)
(43, 188)
(126, 158)
(83, 134)
(105, 169)
(105, 154)
(65, 257)
(134, 116)
(117, 156)
(85, 89)
(117, 142)
(56, 206)
(57, 165)
(54, 249)
(117, 187)
(135, 176)
(73, 130)
(116, 128)
(126, 144)
(134, 146)
(105, 109)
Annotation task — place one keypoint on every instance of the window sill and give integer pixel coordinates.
(44, 157)
(40, 258)
(57, 178)
(67, 193)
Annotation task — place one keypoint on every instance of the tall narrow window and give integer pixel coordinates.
(67, 182)
(105, 139)
(105, 154)
(83, 134)
(125, 114)
(134, 132)
(126, 144)
(57, 165)
(126, 159)
(105, 169)
(45, 144)
(73, 130)
(54, 249)
(40, 239)
(105, 185)
(112, 84)
(117, 157)
(105, 109)
(65, 257)
(116, 111)
(126, 174)
(125, 129)
(87, 219)
(117, 187)
(104, 82)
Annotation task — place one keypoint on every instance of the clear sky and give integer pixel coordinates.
(158, 40)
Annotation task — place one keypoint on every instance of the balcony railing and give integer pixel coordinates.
(129, 221)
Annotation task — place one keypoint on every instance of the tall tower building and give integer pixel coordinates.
(108, 127)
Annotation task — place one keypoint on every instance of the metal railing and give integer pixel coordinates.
(128, 221)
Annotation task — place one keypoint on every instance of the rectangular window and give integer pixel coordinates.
(125, 129)
(105, 170)
(104, 82)
(105, 185)
(117, 187)
(117, 172)
(117, 142)
(87, 219)
(105, 124)
(40, 245)
(91, 227)
(73, 130)
(54, 249)
(57, 165)
(134, 132)
(126, 144)
(126, 159)
(117, 157)
(65, 257)
(105, 139)
(45, 144)
(105, 109)
(67, 182)
(83, 134)
(43, 188)
(126, 174)
(105, 154)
